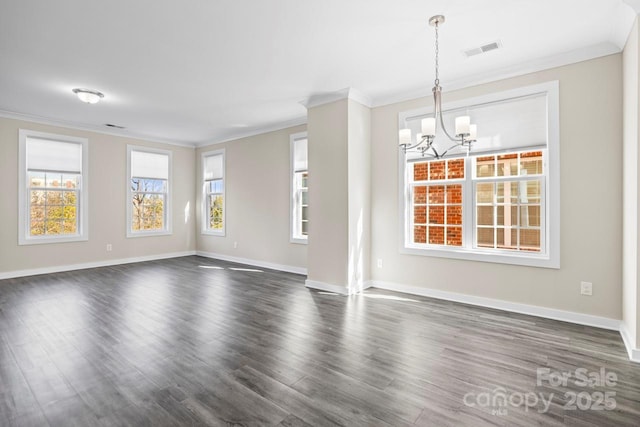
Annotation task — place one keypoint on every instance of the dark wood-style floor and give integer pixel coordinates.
(195, 341)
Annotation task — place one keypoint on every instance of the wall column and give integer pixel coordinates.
(630, 328)
(339, 135)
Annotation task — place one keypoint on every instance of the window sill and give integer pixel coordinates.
(299, 240)
(131, 234)
(51, 239)
(499, 257)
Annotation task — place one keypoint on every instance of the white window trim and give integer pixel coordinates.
(292, 195)
(168, 230)
(24, 238)
(204, 229)
(551, 257)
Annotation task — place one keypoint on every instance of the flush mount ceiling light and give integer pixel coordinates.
(465, 131)
(88, 96)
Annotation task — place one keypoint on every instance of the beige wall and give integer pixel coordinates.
(257, 184)
(339, 196)
(359, 193)
(107, 198)
(631, 99)
(328, 195)
(591, 207)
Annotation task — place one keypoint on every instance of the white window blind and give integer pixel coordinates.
(300, 155)
(507, 125)
(213, 167)
(149, 165)
(50, 155)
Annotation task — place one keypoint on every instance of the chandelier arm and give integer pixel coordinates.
(444, 129)
(417, 144)
(411, 147)
(429, 155)
(437, 156)
(437, 100)
(450, 148)
(425, 138)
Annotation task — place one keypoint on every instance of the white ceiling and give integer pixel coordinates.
(204, 71)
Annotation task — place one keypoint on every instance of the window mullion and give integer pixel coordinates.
(468, 207)
(495, 212)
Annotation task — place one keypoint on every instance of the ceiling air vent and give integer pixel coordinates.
(111, 125)
(483, 49)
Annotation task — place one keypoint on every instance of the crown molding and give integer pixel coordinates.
(256, 131)
(624, 16)
(633, 4)
(87, 127)
(567, 58)
(329, 97)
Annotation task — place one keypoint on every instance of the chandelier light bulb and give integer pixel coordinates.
(405, 137)
(429, 126)
(462, 125)
(473, 132)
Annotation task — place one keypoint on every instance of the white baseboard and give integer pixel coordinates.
(532, 310)
(327, 287)
(337, 289)
(83, 266)
(634, 352)
(255, 263)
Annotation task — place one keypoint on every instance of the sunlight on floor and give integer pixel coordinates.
(215, 267)
(389, 297)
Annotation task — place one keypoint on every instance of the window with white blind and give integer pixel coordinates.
(500, 201)
(148, 191)
(299, 188)
(53, 198)
(213, 197)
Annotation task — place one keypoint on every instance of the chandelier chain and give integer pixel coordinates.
(437, 81)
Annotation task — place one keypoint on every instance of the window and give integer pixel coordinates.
(299, 188)
(148, 191)
(437, 202)
(53, 181)
(213, 198)
(498, 203)
(509, 195)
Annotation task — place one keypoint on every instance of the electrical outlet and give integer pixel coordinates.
(235, 245)
(379, 262)
(586, 288)
(109, 247)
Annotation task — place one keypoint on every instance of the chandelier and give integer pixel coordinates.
(465, 132)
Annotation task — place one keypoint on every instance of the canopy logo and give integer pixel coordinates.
(596, 397)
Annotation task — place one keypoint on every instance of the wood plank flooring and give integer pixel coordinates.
(193, 341)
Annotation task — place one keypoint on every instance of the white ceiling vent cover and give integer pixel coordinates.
(483, 49)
